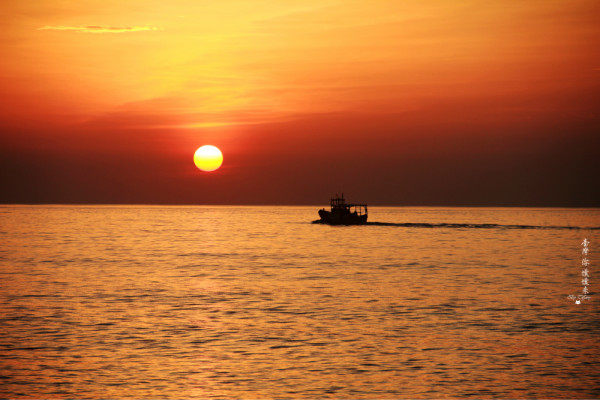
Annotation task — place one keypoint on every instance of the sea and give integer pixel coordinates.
(228, 302)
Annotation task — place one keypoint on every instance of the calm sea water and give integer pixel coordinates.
(257, 302)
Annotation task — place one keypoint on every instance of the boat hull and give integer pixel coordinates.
(340, 218)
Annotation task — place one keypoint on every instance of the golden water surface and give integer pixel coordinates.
(257, 302)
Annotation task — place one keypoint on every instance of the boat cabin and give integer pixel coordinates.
(339, 204)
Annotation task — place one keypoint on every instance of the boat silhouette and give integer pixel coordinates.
(342, 213)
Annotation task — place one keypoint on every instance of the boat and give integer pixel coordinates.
(342, 213)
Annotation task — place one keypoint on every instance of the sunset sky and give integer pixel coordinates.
(458, 103)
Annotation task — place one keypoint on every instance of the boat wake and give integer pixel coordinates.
(477, 226)
(472, 226)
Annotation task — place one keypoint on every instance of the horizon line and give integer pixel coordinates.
(284, 205)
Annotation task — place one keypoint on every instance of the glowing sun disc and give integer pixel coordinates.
(208, 158)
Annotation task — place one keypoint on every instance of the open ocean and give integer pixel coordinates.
(257, 302)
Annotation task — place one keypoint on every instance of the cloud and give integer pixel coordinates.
(100, 28)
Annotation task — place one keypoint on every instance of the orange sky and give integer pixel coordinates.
(412, 102)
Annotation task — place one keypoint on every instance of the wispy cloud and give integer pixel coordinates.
(100, 28)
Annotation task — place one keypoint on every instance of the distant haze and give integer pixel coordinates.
(393, 103)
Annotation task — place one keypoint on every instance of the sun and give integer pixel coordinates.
(208, 158)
